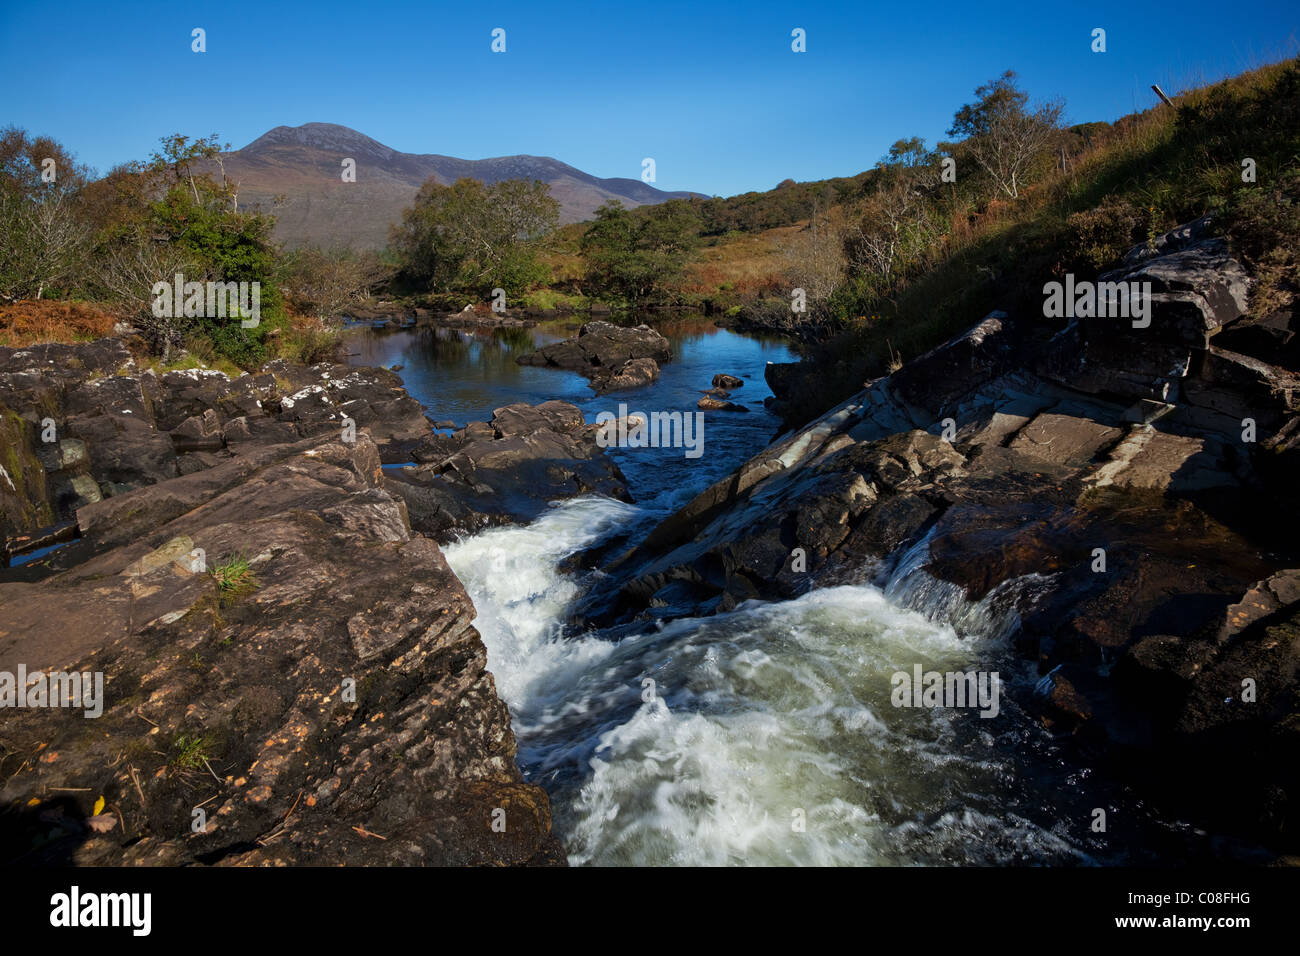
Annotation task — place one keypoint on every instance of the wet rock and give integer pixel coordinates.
(504, 471)
(1264, 599)
(731, 545)
(711, 404)
(601, 345)
(521, 419)
(781, 377)
(728, 382)
(1065, 701)
(1238, 715)
(631, 374)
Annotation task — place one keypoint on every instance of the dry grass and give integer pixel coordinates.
(748, 264)
(29, 322)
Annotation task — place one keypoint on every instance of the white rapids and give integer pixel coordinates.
(761, 736)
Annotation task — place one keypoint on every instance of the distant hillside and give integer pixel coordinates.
(303, 163)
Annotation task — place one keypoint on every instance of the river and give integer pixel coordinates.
(765, 735)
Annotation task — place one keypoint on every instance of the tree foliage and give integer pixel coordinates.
(114, 238)
(476, 237)
(634, 259)
(1003, 135)
(45, 237)
(326, 282)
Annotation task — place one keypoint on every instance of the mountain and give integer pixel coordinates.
(304, 164)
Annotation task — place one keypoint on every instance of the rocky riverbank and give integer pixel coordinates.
(290, 662)
(1122, 498)
(290, 672)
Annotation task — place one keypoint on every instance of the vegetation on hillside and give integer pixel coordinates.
(1111, 187)
(110, 241)
(908, 257)
(890, 261)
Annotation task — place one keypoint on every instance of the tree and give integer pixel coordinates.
(325, 282)
(170, 215)
(815, 256)
(1003, 135)
(43, 233)
(633, 258)
(468, 235)
(179, 155)
(893, 226)
(127, 271)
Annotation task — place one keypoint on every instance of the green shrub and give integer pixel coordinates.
(1098, 237)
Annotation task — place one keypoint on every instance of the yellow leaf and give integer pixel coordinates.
(33, 802)
(99, 807)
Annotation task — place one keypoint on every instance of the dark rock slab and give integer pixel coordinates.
(601, 345)
(338, 711)
(504, 471)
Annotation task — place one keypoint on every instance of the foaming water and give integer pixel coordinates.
(521, 598)
(995, 616)
(761, 736)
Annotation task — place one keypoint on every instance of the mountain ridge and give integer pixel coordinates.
(303, 164)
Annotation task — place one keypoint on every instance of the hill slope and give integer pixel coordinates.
(303, 163)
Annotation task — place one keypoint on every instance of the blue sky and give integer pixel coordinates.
(711, 91)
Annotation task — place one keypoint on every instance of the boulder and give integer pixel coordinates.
(1242, 387)
(933, 381)
(1197, 289)
(504, 471)
(631, 374)
(199, 433)
(601, 345)
(1269, 338)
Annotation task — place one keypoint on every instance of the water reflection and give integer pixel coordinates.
(463, 375)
